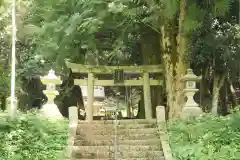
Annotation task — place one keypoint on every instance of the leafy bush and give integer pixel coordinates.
(206, 138)
(31, 137)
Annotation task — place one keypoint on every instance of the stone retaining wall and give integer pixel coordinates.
(162, 130)
(73, 122)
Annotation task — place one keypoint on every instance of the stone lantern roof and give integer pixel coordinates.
(51, 78)
(190, 76)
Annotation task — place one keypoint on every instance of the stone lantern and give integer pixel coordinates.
(191, 108)
(50, 109)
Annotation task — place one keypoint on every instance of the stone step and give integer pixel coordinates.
(126, 155)
(137, 140)
(104, 131)
(120, 142)
(121, 148)
(112, 126)
(138, 136)
(127, 121)
(154, 158)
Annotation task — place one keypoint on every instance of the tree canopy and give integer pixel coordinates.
(179, 34)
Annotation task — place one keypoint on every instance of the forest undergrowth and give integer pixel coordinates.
(206, 138)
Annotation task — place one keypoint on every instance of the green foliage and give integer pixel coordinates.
(68, 29)
(83, 30)
(31, 137)
(170, 8)
(206, 138)
(217, 41)
(4, 81)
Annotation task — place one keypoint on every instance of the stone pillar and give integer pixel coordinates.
(160, 113)
(73, 114)
(147, 96)
(90, 97)
(191, 108)
(73, 122)
(11, 111)
(162, 130)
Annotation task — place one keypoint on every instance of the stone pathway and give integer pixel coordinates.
(136, 140)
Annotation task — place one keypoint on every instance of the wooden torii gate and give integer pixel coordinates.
(91, 81)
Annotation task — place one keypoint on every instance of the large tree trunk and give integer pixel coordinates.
(174, 88)
(174, 70)
(157, 98)
(149, 50)
(232, 93)
(205, 93)
(224, 99)
(173, 60)
(181, 65)
(141, 110)
(217, 85)
(3, 103)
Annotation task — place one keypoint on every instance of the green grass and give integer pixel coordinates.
(206, 138)
(31, 137)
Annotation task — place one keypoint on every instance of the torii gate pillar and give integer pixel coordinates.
(147, 96)
(90, 92)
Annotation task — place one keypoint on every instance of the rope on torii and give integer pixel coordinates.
(13, 58)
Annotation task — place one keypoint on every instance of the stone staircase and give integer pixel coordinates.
(136, 140)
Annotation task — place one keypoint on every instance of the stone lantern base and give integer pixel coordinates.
(51, 111)
(190, 112)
